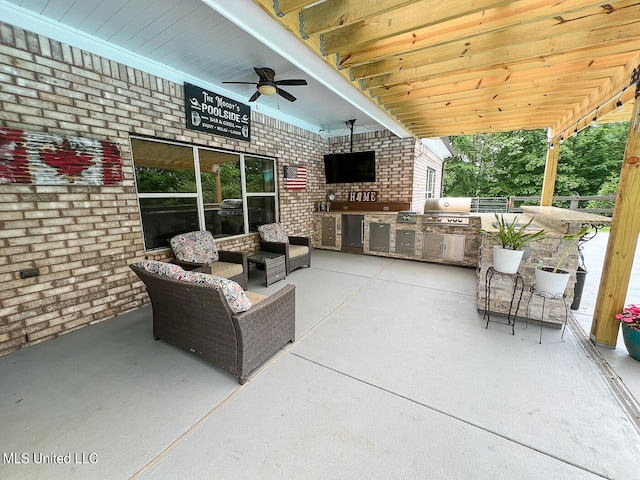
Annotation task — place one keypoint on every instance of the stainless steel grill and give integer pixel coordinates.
(447, 210)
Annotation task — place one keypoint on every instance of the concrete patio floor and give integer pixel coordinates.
(392, 375)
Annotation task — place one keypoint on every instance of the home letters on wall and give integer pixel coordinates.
(213, 113)
(369, 196)
(48, 159)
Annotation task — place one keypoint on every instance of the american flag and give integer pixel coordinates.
(295, 178)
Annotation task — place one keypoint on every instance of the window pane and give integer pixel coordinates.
(221, 192)
(259, 175)
(261, 210)
(220, 175)
(162, 218)
(163, 167)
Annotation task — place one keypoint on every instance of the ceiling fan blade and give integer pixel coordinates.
(286, 95)
(294, 81)
(265, 74)
(254, 97)
(243, 83)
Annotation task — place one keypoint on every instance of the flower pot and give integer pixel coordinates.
(506, 260)
(550, 283)
(631, 338)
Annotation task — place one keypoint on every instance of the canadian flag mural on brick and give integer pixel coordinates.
(48, 159)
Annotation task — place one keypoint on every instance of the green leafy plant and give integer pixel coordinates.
(511, 235)
(573, 239)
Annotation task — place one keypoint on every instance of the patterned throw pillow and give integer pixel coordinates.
(234, 294)
(273, 232)
(195, 247)
(161, 268)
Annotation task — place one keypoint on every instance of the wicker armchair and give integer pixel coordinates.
(297, 250)
(197, 249)
(197, 318)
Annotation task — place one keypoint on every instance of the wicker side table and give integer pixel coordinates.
(273, 263)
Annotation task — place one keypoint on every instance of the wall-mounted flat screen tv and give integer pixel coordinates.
(350, 167)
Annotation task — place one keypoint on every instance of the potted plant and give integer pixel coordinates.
(511, 237)
(630, 320)
(552, 280)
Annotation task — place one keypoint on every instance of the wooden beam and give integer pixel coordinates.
(494, 49)
(282, 7)
(550, 170)
(330, 14)
(492, 61)
(601, 68)
(404, 24)
(473, 26)
(625, 227)
(608, 89)
(495, 96)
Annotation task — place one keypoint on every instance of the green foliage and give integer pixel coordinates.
(512, 236)
(512, 163)
(572, 239)
(610, 187)
(158, 180)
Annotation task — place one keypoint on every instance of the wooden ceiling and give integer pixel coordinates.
(446, 67)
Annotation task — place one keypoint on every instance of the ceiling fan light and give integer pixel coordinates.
(267, 89)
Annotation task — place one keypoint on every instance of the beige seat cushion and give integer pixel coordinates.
(297, 250)
(255, 297)
(225, 269)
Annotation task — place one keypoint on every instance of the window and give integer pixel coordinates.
(431, 182)
(186, 187)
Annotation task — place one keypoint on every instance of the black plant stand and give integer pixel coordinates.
(518, 288)
(547, 296)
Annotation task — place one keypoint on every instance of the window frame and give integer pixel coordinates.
(198, 194)
(430, 183)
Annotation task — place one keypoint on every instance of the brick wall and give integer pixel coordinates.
(394, 165)
(83, 238)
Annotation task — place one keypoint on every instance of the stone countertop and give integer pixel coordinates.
(554, 220)
(564, 220)
(488, 222)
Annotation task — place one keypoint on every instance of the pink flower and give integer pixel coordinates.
(630, 316)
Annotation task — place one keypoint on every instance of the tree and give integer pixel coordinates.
(512, 163)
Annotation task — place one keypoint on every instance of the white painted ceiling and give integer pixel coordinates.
(189, 37)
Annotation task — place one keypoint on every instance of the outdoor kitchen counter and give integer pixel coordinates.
(328, 235)
(564, 220)
(557, 222)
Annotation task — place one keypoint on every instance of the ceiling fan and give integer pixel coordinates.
(267, 85)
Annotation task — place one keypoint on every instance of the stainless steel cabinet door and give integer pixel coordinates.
(432, 245)
(453, 247)
(379, 236)
(406, 242)
(352, 230)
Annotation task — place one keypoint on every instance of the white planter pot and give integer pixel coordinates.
(551, 284)
(506, 260)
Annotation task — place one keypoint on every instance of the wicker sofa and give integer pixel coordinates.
(197, 318)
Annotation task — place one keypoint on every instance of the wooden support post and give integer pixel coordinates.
(550, 170)
(625, 227)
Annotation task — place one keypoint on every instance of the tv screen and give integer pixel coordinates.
(350, 167)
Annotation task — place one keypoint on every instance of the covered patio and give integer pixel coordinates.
(392, 375)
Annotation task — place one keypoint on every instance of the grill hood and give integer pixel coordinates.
(447, 205)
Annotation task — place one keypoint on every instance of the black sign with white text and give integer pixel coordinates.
(213, 113)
